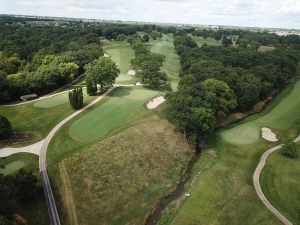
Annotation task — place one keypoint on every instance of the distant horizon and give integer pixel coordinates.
(280, 14)
(150, 22)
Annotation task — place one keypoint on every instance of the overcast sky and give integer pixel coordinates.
(261, 13)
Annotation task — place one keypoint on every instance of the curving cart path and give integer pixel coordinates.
(42, 159)
(257, 186)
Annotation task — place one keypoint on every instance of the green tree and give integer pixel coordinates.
(146, 37)
(5, 128)
(290, 150)
(103, 72)
(76, 98)
(91, 87)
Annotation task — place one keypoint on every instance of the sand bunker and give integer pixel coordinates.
(131, 72)
(268, 135)
(155, 102)
(106, 55)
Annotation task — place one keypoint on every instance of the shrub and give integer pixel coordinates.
(5, 128)
(76, 98)
(290, 150)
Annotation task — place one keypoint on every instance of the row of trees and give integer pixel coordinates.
(147, 64)
(219, 80)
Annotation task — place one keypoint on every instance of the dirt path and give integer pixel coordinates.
(34, 149)
(257, 186)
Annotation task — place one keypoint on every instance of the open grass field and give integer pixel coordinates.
(280, 182)
(38, 117)
(221, 185)
(123, 177)
(279, 118)
(209, 41)
(265, 48)
(121, 54)
(171, 66)
(34, 213)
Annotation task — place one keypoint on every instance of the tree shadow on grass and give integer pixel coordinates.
(120, 92)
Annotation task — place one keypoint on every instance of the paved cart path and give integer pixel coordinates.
(257, 186)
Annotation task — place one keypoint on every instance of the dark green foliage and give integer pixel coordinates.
(290, 150)
(5, 128)
(76, 98)
(226, 41)
(148, 64)
(102, 71)
(146, 37)
(196, 105)
(20, 187)
(91, 87)
(155, 34)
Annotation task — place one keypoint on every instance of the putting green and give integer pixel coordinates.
(54, 101)
(12, 167)
(113, 113)
(121, 54)
(283, 113)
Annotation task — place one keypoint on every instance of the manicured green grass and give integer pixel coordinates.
(56, 100)
(111, 114)
(221, 190)
(221, 185)
(280, 183)
(29, 118)
(209, 41)
(279, 118)
(12, 167)
(171, 66)
(121, 54)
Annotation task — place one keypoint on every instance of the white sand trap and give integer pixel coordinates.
(155, 102)
(131, 72)
(268, 135)
(138, 84)
(106, 55)
(34, 149)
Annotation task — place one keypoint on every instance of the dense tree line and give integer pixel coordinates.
(247, 76)
(147, 64)
(40, 59)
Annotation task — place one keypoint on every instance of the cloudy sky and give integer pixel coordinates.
(262, 13)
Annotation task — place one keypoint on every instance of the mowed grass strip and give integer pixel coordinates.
(123, 177)
(280, 183)
(110, 115)
(279, 117)
(171, 66)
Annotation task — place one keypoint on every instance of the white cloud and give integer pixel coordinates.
(266, 13)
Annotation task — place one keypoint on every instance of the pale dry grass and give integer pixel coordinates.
(122, 178)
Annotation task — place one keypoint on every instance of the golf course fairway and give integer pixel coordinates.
(278, 118)
(121, 54)
(111, 114)
(171, 66)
